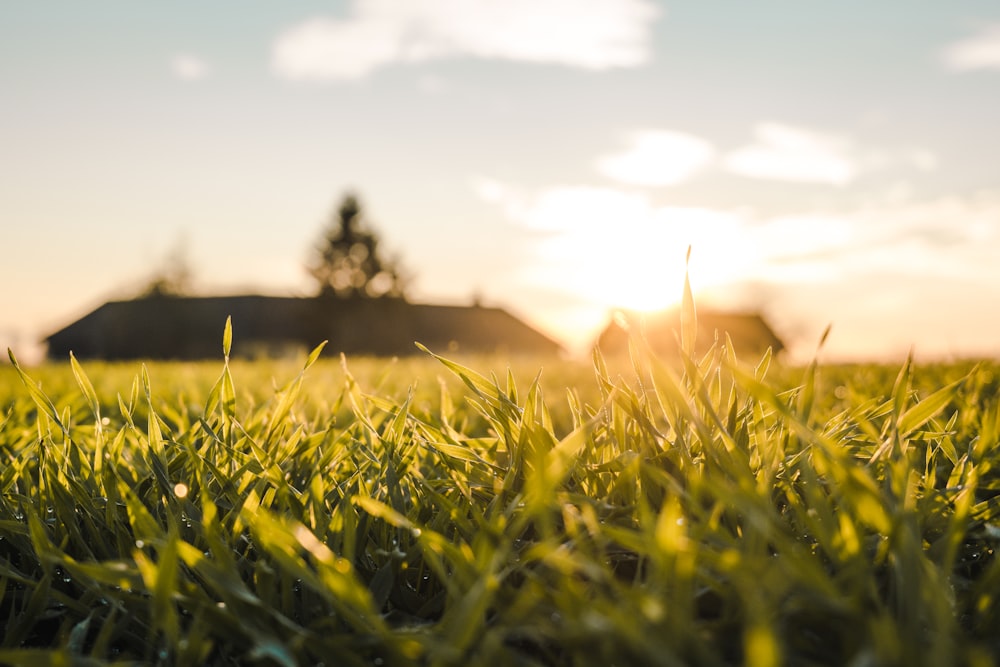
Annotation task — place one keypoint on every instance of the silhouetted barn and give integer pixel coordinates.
(750, 333)
(168, 327)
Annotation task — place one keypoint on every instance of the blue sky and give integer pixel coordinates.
(828, 162)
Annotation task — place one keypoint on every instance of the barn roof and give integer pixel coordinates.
(169, 327)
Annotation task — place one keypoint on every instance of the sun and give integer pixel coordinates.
(620, 252)
(651, 275)
(644, 276)
(654, 288)
(646, 290)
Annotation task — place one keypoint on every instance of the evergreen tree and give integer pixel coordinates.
(347, 262)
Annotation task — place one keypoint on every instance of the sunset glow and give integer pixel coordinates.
(830, 164)
(641, 266)
(619, 250)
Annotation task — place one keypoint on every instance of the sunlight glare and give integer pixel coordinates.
(639, 263)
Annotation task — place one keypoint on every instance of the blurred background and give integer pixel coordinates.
(830, 163)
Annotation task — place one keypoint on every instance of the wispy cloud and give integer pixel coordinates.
(596, 35)
(188, 67)
(657, 158)
(949, 238)
(785, 153)
(979, 51)
(952, 238)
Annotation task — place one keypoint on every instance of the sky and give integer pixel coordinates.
(828, 163)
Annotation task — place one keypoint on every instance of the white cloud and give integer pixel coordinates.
(787, 153)
(596, 35)
(566, 208)
(657, 158)
(575, 208)
(188, 67)
(328, 49)
(949, 238)
(980, 51)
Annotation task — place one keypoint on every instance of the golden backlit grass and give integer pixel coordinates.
(709, 512)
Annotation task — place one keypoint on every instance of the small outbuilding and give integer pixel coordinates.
(750, 333)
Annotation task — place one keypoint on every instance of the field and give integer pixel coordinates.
(620, 512)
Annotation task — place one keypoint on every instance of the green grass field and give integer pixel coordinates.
(713, 512)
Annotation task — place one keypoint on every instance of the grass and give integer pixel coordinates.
(705, 513)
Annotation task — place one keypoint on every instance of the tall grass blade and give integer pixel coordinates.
(227, 338)
(689, 317)
(37, 395)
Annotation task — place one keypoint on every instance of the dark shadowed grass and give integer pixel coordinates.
(653, 515)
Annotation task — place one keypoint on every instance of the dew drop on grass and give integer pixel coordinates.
(653, 609)
(139, 544)
(180, 490)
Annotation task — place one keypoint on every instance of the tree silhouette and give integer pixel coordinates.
(174, 277)
(347, 262)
